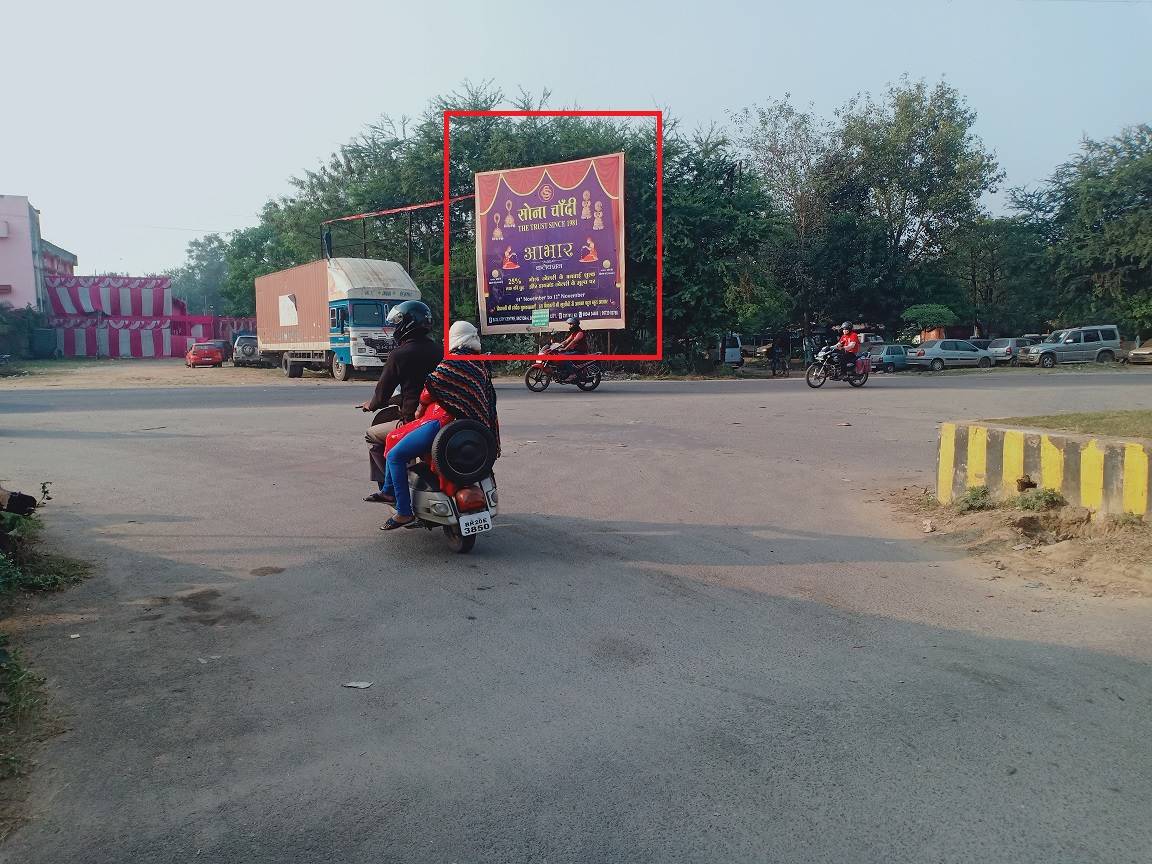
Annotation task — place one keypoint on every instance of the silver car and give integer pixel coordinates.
(1009, 350)
(1099, 343)
(938, 354)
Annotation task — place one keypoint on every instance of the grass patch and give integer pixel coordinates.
(1126, 520)
(1131, 424)
(976, 498)
(24, 567)
(1039, 499)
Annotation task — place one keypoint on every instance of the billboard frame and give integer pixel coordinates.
(658, 116)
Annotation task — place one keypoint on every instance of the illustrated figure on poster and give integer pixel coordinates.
(598, 220)
(586, 208)
(509, 222)
(589, 250)
(497, 234)
(509, 260)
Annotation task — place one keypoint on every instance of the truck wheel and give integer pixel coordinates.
(341, 371)
(292, 370)
(1048, 361)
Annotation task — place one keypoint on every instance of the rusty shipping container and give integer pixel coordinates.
(292, 308)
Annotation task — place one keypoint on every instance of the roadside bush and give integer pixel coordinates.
(977, 498)
(1040, 499)
(23, 566)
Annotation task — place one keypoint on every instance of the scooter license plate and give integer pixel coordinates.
(475, 523)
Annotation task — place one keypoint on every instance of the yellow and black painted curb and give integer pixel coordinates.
(1107, 475)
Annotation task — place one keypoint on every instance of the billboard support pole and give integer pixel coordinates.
(408, 219)
(364, 237)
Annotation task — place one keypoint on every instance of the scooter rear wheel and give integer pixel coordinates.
(457, 542)
(537, 380)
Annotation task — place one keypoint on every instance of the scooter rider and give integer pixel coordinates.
(847, 348)
(415, 356)
(576, 343)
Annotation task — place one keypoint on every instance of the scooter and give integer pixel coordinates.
(453, 487)
(586, 374)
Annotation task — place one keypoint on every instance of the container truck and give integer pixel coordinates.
(330, 315)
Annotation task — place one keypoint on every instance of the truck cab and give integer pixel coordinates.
(361, 293)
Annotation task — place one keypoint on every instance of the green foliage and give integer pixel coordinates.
(21, 699)
(929, 316)
(200, 281)
(872, 199)
(16, 326)
(1040, 499)
(9, 574)
(1096, 214)
(975, 499)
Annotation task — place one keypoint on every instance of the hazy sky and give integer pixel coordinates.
(136, 126)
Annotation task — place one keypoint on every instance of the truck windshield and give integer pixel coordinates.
(368, 314)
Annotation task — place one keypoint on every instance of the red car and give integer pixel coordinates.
(204, 354)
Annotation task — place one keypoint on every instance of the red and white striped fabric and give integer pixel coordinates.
(124, 342)
(120, 296)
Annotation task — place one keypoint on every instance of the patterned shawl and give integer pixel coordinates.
(464, 389)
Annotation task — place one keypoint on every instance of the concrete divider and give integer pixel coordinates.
(1107, 475)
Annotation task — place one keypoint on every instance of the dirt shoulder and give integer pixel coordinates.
(1065, 548)
(103, 374)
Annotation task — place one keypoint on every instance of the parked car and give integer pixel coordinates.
(937, 354)
(870, 340)
(1008, 350)
(1143, 354)
(728, 349)
(224, 346)
(1098, 343)
(204, 354)
(246, 352)
(889, 358)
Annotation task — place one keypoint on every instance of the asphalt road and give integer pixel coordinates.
(697, 635)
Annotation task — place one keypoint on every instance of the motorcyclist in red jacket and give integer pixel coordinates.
(847, 348)
(576, 343)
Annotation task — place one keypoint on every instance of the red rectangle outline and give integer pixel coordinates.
(659, 116)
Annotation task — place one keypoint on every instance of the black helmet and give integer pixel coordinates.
(847, 325)
(411, 319)
(574, 321)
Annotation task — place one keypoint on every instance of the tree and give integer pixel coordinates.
(929, 316)
(913, 162)
(251, 252)
(1000, 263)
(200, 280)
(1096, 214)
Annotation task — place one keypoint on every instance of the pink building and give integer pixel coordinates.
(25, 257)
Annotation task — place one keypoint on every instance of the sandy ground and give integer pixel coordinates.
(90, 374)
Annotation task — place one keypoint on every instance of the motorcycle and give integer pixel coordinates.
(586, 374)
(827, 365)
(453, 487)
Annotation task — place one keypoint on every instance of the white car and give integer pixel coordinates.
(938, 354)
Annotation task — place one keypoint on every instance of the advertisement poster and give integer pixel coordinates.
(550, 239)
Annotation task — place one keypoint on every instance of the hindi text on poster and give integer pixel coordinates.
(551, 237)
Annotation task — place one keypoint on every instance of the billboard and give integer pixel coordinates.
(550, 240)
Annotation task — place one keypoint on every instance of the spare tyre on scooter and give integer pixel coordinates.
(462, 498)
(464, 452)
